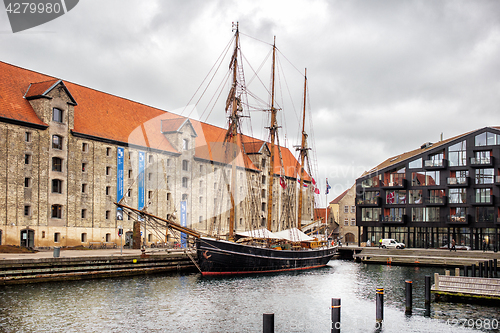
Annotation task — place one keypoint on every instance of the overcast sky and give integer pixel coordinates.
(384, 76)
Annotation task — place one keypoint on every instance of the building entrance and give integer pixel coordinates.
(28, 238)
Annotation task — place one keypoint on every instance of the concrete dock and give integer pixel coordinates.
(21, 268)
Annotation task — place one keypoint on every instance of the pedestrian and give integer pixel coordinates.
(380, 243)
(484, 244)
(453, 245)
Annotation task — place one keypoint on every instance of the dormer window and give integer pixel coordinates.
(57, 115)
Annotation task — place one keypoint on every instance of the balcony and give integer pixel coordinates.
(373, 202)
(395, 184)
(483, 200)
(458, 219)
(435, 164)
(436, 201)
(458, 181)
(391, 219)
(481, 162)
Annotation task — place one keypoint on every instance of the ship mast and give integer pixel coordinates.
(232, 132)
(272, 129)
(303, 152)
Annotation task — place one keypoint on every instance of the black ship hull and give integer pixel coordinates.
(219, 257)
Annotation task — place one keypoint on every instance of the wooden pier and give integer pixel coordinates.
(423, 257)
(465, 288)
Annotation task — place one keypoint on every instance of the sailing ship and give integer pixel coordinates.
(261, 250)
(256, 250)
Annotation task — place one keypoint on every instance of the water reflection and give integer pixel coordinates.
(190, 303)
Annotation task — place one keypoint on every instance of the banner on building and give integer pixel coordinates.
(141, 180)
(183, 223)
(119, 181)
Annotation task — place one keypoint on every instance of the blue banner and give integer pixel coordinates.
(183, 223)
(140, 180)
(119, 181)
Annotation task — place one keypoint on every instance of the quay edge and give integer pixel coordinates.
(35, 270)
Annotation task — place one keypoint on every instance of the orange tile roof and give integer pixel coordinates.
(106, 116)
(40, 88)
(14, 83)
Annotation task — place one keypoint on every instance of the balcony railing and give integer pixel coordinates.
(369, 202)
(436, 201)
(457, 219)
(481, 161)
(483, 200)
(396, 183)
(458, 181)
(400, 219)
(435, 164)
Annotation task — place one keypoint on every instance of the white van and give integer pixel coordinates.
(390, 243)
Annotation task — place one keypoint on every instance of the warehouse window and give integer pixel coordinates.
(185, 165)
(27, 182)
(27, 136)
(84, 237)
(56, 211)
(57, 237)
(84, 188)
(108, 151)
(27, 159)
(27, 210)
(84, 213)
(56, 164)
(56, 186)
(57, 142)
(85, 147)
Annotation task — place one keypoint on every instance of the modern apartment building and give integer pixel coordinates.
(441, 191)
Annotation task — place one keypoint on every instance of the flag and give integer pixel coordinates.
(282, 182)
(313, 181)
(316, 190)
(328, 187)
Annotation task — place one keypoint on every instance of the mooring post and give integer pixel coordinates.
(268, 323)
(409, 296)
(380, 305)
(335, 315)
(495, 266)
(490, 275)
(486, 268)
(473, 268)
(466, 270)
(480, 270)
(427, 295)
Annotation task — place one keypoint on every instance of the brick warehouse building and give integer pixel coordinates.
(439, 192)
(69, 152)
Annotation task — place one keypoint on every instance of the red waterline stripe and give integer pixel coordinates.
(269, 271)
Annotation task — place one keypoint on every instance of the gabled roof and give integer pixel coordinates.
(175, 125)
(41, 89)
(337, 199)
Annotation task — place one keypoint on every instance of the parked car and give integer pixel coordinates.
(390, 243)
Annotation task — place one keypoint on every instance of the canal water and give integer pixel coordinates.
(191, 303)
